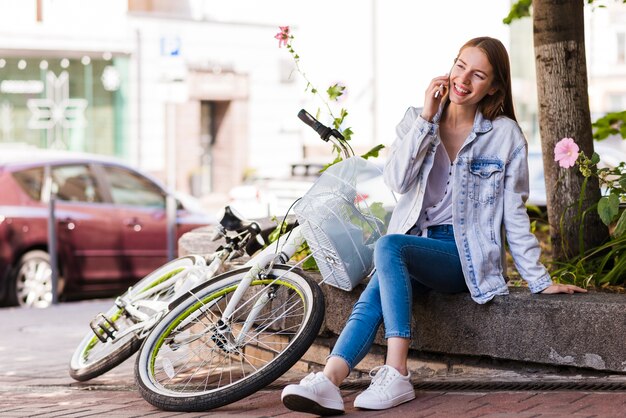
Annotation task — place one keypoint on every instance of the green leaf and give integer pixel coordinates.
(378, 210)
(610, 124)
(338, 121)
(335, 91)
(347, 133)
(373, 153)
(621, 225)
(335, 161)
(608, 208)
(276, 233)
(518, 10)
(310, 264)
(595, 158)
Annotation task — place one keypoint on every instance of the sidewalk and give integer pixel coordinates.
(35, 347)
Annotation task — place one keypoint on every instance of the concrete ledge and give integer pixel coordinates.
(581, 330)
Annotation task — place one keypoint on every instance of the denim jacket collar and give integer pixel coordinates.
(481, 124)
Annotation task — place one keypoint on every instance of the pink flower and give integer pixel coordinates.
(282, 36)
(566, 152)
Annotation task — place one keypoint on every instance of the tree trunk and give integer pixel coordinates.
(559, 39)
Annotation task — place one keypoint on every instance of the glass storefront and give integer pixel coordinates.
(79, 104)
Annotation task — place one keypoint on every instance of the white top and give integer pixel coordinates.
(437, 207)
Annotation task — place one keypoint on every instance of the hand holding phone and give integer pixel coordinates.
(440, 91)
(435, 93)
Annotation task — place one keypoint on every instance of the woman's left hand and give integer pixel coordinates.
(562, 288)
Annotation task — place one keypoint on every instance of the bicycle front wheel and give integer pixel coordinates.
(94, 357)
(194, 361)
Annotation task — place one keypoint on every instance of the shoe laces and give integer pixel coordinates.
(381, 378)
(310, 379)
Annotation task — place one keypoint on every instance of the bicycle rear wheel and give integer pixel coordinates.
(93, 357)
(191, 361)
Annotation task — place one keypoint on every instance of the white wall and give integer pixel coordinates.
(416, 41)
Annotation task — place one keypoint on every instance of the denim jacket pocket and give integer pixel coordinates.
(485, 172)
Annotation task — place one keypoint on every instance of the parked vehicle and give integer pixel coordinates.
(111, 225)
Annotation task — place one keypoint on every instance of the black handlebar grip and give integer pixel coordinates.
(306, 117)
(323, 131)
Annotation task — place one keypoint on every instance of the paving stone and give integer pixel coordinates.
(44, 389)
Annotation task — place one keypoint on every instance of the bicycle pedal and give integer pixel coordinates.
(103, 327)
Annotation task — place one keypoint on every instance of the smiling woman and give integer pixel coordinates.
(461, 163)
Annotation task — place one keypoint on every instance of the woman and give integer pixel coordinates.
(460, 163)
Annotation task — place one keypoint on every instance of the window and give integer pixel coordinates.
(128, 188)
(30, 181)
(75, 183)
(22, 79)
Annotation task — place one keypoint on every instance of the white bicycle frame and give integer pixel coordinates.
(132, 304)
(261, 263)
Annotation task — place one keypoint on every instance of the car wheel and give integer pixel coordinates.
(31, 283)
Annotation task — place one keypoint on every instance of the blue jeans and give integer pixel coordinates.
(404, 264)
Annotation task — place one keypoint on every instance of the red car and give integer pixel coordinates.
(111, 225)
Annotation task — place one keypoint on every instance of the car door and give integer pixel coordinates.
(89, 234)
(143, 219)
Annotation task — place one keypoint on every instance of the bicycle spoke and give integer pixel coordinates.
(193, 354)
(274, 319)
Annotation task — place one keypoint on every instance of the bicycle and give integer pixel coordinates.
(118, 333)
(235, 334)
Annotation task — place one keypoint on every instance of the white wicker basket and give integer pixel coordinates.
(341, 224)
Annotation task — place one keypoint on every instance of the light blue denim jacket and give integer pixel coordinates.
(490, 186)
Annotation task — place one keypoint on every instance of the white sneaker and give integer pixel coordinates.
(315, 394)
(388, 389)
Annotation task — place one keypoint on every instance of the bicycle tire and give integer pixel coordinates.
(92, 357)
(176, 375)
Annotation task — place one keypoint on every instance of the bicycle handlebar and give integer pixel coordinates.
(326, 133)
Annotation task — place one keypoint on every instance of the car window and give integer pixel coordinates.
(30, 181)
(128, 188)
(75, 183)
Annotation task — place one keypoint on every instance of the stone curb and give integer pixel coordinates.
(580, 330)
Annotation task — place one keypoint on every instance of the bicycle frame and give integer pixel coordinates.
(260, 265)
(104, 329)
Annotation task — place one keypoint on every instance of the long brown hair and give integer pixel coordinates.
(501, 102)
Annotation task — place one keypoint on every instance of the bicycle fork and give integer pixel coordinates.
(261, 265)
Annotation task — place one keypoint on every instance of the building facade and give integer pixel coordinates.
(155, 83)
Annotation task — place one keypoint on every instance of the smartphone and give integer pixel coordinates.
(440, 91)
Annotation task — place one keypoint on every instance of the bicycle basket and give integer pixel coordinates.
(342, 215)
